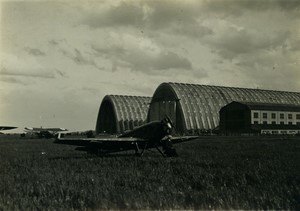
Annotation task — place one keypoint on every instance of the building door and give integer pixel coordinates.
(161, 108)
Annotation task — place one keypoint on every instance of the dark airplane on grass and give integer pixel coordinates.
(156, 134)
(44, 132)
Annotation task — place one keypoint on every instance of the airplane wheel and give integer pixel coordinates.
(171, 152)
(137, 154)
(168, 148)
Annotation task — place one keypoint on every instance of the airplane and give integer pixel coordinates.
(44, 132)
(7, 127)
(154, 134)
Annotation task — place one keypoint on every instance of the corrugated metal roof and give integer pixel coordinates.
(271, 106)
(200, 104)
(128, 111)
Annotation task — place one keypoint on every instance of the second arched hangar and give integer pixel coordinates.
(118, 113)
(195, 108)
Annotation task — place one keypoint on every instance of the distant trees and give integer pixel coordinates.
(90, 134)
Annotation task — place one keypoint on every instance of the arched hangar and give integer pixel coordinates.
(195, 108)
(118, 113)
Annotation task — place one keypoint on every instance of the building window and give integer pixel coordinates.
(297, 116)
(273, 123)
(273, 115)
(290, 116)
(255, 115)
(298, 123)
(256, 122)
(290, 123)
(282, 123)
(281, 116)
(265, 115)
(265, 122)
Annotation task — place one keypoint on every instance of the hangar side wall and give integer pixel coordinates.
(118, 113)
(195, 108)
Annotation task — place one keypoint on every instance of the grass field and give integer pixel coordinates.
(210, 173)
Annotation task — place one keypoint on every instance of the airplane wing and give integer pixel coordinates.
(115, 140)
(117, 144)
(108, 144)
(33, 129)
(7, 127)
(180, 139)
(52, 130)
(86, 141)
(55, 130)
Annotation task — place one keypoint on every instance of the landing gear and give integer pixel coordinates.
(168, 148)
(137, 149)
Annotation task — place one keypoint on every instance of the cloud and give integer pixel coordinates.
(194, 31)
(124, 14)
(15, 66)
(54, 42)
(294, 43)
(164, 14)
(34, 51)
(27, 73)
(200, 73)
(231, 41)
(161, 15)
(239, 7)
(80, 57)
(61, 73)
(142, 60)
(150, 16)
(164, 61)
(12, 80)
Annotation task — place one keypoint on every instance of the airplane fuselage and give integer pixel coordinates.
(153, 132)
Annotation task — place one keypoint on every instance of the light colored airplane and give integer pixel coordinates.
(7, 127)
(156, 134)
(44, 132)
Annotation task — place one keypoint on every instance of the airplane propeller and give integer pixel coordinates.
(168, 120)
(168, 148)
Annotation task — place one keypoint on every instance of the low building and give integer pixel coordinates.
(118, 113)
(263, 118)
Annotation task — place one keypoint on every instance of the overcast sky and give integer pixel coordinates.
(60, 58)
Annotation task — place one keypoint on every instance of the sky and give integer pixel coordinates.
(60, 58)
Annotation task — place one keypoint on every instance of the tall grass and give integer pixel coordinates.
(210, 173)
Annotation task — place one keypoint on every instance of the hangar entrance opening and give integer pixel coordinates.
(235, 121)
(160, 109)
(108, 122)
(165, 102)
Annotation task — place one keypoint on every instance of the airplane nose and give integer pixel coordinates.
(169, 125)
